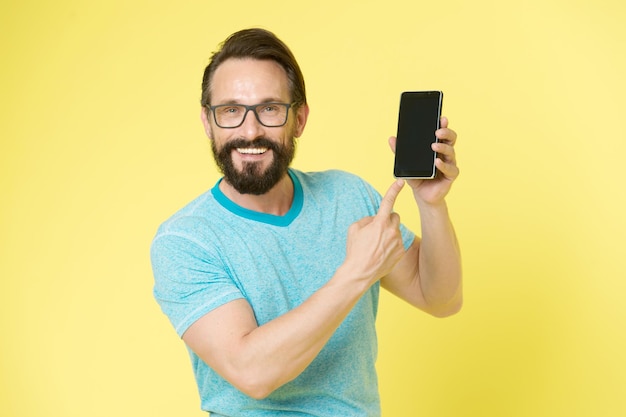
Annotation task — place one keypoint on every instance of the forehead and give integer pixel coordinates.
(249, 81)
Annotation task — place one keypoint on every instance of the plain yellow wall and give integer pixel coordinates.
(101, 141)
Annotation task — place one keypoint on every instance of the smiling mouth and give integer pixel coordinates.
(252, 151)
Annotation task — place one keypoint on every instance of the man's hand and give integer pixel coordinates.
(429, 276)
(434, 191)
(374, 243)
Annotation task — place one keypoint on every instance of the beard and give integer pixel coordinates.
(252, 179)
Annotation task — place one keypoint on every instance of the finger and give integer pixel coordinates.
(364, 221)
(445, 151)
(448, 170)
(386, 205)
(395, 219)
(392, 143)
(446, 135)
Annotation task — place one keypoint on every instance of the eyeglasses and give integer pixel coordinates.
(230, 116)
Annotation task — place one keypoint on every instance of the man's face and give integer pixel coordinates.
(253, 157)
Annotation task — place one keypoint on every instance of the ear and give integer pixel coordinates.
(204, 116)
(301, 117)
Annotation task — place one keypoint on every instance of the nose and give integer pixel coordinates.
(251, 127)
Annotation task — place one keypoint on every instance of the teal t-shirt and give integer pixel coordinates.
(214, 251)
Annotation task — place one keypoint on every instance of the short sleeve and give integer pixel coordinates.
(189, 280)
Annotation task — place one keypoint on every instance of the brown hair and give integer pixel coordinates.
(258, 44)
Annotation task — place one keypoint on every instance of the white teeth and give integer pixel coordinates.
(252, 151)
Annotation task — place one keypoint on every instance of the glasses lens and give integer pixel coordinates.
(272, 114)
(229, 116)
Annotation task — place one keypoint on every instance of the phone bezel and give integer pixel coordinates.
(406, 173)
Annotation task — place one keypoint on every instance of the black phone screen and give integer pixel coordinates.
(419, 116)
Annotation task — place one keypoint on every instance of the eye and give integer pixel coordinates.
(270, 108)
(228, 110)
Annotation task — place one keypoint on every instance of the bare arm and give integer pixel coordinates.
(259, 359)
(429, 276)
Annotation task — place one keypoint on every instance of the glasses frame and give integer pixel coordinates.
(251, 108)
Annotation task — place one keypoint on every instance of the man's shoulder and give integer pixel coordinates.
(332, 177)
(191, 215)
(338, 187)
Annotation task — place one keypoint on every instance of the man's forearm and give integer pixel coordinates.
(440, 268)
(277, 352)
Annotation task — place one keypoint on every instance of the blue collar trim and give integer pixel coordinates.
(281, 221)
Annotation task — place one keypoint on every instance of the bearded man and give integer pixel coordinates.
(272, 277)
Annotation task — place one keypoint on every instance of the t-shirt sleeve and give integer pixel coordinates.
(190, 281)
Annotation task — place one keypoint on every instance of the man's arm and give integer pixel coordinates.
(259, 359)
(429, 276)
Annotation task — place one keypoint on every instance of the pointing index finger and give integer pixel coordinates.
(386, 205)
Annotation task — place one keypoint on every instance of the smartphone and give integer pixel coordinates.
(418, 119)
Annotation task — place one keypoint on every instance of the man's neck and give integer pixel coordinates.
(276, 201)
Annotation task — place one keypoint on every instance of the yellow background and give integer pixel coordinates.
(101, 141)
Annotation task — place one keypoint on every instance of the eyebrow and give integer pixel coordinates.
(267, 100)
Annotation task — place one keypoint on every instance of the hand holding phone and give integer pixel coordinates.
(418, 119)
